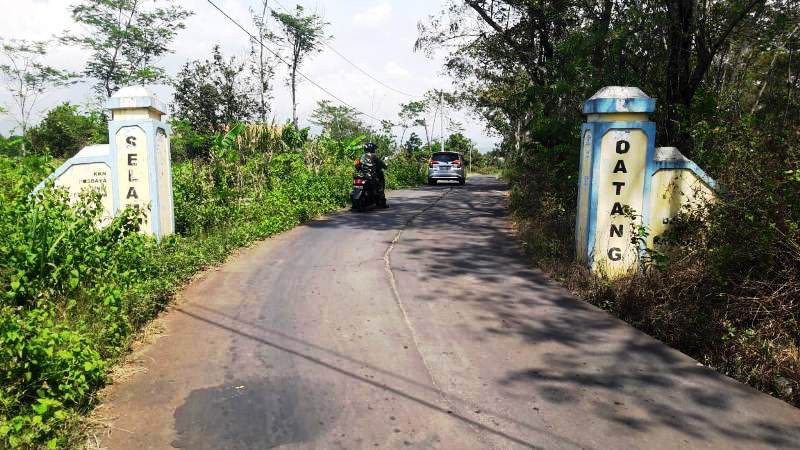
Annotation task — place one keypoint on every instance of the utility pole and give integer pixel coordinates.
(441, 122)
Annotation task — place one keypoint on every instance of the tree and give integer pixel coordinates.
(302, 35)
(338, 122)
(412, 114)
(28, 79)
(263, 65)
(457, 142)
(413, 144)
(125, 39)
(64, 131)
(695, 33)
(215, 93)
(515, 60)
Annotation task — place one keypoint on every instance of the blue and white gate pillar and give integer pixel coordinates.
(133, 169)
(615, 178)
(139, 142)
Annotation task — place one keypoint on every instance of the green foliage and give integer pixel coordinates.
(125, 38)
(48, 373)
(73, 293)
(457, 142)
(187, 143)
(723, 284)
(413, 144)
(214, 94)
(27, 78)
(405, 172)
(62, 311)
(18, 176)
(13, 145)
(64, 131)
(338, 122)
(301, 36)
(293, 136)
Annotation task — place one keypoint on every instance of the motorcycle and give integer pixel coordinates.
(367, 190)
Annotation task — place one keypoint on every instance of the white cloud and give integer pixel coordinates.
(395, 70)
(373, 16)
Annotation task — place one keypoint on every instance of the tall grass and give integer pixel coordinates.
(73, 295)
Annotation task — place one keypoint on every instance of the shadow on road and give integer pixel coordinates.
(624, 378)
(361, 378)
(653, 386)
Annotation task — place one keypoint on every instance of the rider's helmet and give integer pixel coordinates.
(370, 147)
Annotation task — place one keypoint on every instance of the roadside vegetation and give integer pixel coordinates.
(74, 296)
(724, 284)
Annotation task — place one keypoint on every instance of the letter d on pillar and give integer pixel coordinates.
(617, 141)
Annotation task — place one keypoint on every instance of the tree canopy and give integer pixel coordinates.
(301, 35)
(125, 38)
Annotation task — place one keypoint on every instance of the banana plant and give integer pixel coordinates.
(222, 145)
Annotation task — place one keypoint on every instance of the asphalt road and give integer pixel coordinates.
(419, 326)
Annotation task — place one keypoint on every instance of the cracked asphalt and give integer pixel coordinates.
(418, 326)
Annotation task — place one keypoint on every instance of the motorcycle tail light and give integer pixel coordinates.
(357, 163)
(358, 181)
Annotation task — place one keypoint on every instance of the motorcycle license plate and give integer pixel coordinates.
(358, 187)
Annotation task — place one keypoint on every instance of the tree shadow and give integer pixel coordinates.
(656, 387)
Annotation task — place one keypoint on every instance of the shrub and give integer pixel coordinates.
(73, 294)
(64, 131)
(48, 373)
(62, 310)
(728, 292)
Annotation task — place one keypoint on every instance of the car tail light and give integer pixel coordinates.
(457, 162)
(433, 162)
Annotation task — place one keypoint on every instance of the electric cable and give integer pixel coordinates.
(352, 63)
(319, 86)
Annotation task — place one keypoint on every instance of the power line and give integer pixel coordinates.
(322, 88)
(351, 62)
(367, 73)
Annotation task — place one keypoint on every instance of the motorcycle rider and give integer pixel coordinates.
(373, 165)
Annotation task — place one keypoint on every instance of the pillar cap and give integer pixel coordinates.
(619, 99)
(135, 97)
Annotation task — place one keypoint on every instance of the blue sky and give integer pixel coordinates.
(378, 35)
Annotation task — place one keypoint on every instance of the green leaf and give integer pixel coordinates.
(39, 408)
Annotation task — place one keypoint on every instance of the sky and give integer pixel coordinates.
(377, 35)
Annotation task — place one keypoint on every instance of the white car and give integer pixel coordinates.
(446, 166)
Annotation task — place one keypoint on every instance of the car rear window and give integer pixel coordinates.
(445, 157)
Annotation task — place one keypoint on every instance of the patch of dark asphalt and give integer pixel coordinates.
(254, 414)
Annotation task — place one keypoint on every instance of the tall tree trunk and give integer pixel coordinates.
(262, 83)
(113, 66)
(679, 50)
(294, 95)
(602, 26)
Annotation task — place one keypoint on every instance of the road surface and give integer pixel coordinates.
(419, 326)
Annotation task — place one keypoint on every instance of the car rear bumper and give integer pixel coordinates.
(446, 175)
